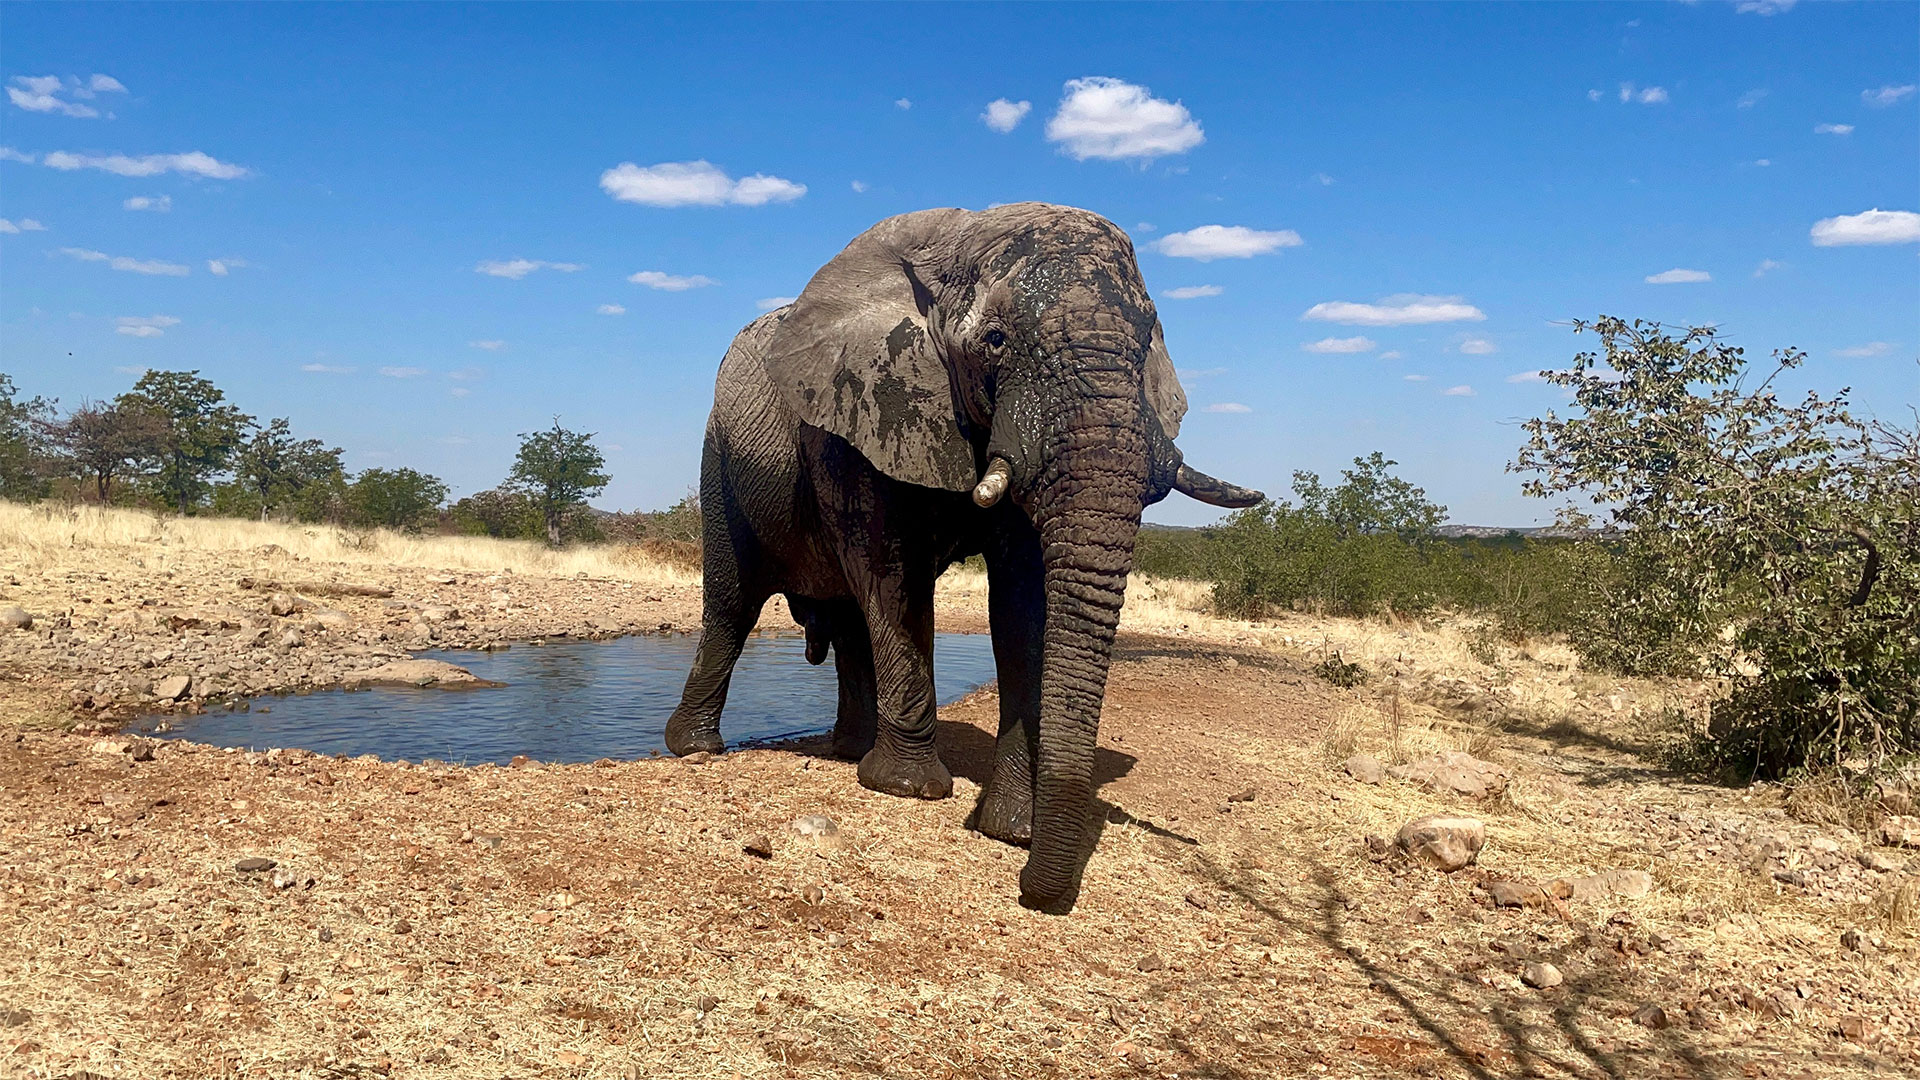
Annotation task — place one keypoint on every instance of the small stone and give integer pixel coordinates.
(813, 895)
(282, 604)
(760, 846)
(1900, 831)
(173, 687)
(1452, 772)
(1365, 768)
(1542, 976)
(1514, 894)
(1244, 796)
(819, 830)
(402, 926)
(326, 935)
(1442, 841)
(14, 618)
(705, 1004)
(1198, 899)
(698, 757)
(1791, 877)
(1853, 940)
(1150, 963)
(1878, 861)
(1652, 1017)
(569, 1059)
(292, 639)
(254, 864)
(1858, 1029)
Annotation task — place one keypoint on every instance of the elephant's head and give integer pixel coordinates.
(1011, 352)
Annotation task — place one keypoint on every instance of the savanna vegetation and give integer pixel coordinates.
(1710, 529)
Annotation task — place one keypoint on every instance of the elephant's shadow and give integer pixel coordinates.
(968, 751)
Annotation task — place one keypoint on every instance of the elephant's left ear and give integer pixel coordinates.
(1164, 395)
(853, 356)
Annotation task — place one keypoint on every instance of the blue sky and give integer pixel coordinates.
(331, 210)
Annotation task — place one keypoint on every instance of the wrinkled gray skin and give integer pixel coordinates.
(848, 432)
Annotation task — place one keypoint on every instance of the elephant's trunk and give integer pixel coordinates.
(1087, 509)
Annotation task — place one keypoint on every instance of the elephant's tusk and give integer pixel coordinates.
(994, 483)
(1198, 485)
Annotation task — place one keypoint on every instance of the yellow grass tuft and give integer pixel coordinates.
(49, 536)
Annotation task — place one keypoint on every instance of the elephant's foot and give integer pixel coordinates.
(919, 778)
(1005, 817)
(686, 735)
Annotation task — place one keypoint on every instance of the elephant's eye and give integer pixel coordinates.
(996, 339)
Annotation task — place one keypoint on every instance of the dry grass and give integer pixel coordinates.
(46, 536)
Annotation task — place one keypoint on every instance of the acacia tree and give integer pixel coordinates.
(283, 473)
(557, 469)
(1775, 545)
(104, 442)
(22, 424)
(395, 498)
(202, 432)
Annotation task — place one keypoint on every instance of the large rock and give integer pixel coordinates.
(1443, 841)
(1454, 773)
(173, 687)
(436, 673)
(1364, 768)
(15, 618)
(1900, 830)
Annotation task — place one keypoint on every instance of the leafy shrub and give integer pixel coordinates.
(1774, 545)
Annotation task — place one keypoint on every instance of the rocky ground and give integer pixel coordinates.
(1257, 904)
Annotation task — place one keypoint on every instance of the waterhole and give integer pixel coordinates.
(570, 701)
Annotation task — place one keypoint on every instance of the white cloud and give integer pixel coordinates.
(1764, 7)
(1871, 348)
(1594, 95)
(25, 224)
(403, 372)
(1229, 407)
(1401, 309)
(1751, 98)
(1391, 354)
(1458, 391)
(1767, 266)
(694, 183)
(1886, 95)
(1762, 162)
(191, 163)
(131, 265)
(610, 309)
(1108, 118)
(1650, 95)
(8, 153)
(1478, 346)
(492, 345)
(327, 369)
(144, 326)
(159, 204)
(1526, 377)
(105, 84)
(859, 186)
(1323, 179)
(772, 302)
(1416, 378)
(42, 94)
(902, 103)
(1193, 292)
(654, 279)
(1833, 129)
(460, 391)
(515, 269)
(1678, 276)
(1867, 227)
(1145, 226)
(1341, 345)
(1225, 242)
(219, 267)
(1003, 115)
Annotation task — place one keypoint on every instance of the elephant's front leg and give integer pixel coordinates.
(857, 725)
(1016, 609)
(903, 760)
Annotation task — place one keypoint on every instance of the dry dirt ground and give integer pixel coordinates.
(607, 919)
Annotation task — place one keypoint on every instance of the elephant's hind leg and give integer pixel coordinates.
(858, 722)
(695, 724)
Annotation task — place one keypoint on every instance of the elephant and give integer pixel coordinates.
(952, 383)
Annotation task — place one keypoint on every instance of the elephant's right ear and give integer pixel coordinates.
(853, 355)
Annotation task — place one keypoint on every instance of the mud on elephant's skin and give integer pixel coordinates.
(953, 383)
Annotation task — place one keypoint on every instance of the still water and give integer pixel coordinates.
(571, 701)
